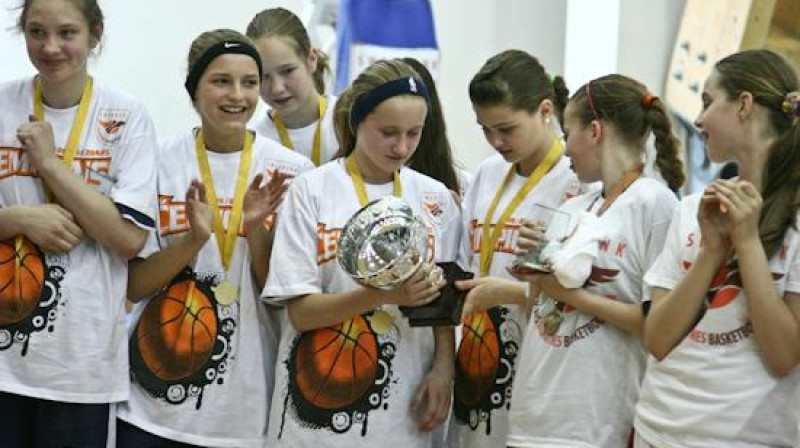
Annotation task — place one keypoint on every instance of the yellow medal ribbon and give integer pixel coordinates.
(358, 181)
(316, 155)
(74, 140)
(492, 234)
(226, 240)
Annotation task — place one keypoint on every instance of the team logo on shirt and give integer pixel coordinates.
(182, 341)
(433, 207)
(725, 288)
(110, 124)
(485, 366)
(598, 276)
(30, 291)
(340, 374)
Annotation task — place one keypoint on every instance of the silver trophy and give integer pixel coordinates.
(536, 259)
(383, 244)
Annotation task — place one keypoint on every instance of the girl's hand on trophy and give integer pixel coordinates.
(531, 236)
(420, 289)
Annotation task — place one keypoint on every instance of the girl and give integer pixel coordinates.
(516, 105)
(76, 202)
(301, 116)
(725, 314)
(582, 361)
(351, 371)
(199, 354)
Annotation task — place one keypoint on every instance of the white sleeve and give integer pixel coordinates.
(793, 270)
(450, 231)
(656, 230)
(293, 265)
(666, 272)
(133, 167)
(465, 241)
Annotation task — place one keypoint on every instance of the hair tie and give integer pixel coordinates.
(227, 47)
(366, 103)
(648, 100)
(591, 101)
(791, 105)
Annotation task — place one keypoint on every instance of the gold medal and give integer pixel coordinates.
(552, 322)
(225, 293)
(381, 321)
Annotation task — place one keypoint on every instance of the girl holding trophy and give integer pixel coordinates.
(518, 107)
(582, 362)
(351, 372)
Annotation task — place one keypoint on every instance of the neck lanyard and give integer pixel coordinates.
(625, 181)
(286, 140)
(491, 234)
(74, 139)
(226, 240)
(358, 181)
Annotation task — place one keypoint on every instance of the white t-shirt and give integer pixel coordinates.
(714, 389)
(70, 346)
(578, 387)
(208, 380)
(330, 393)
(303, 138)
(482, 389)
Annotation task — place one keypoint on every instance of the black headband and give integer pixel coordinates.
(226, 47)
(366, 103)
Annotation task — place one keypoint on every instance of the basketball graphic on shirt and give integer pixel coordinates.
(182, 340)
(339, 374)
(177, 331)
(726, 285)
(30, 291)
(484, 366)
(337, 365)
(478, 358)
(21, 279)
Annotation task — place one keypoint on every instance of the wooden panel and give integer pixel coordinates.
(709, 31)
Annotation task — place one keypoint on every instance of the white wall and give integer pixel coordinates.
(146, 43)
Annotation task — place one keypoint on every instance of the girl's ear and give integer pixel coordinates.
(312, 60)
(746, 104)
(597, 131)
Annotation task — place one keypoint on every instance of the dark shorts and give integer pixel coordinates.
(129, 436)
(27, 422)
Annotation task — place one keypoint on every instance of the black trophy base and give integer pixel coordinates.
(446, 309)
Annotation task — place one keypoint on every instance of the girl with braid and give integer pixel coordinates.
(582, 360)
(724, 324)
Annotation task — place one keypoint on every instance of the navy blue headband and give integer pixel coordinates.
(226, 47)
(366, 103)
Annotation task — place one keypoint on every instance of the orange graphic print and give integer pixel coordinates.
(30, 291)
(181, 343)
(177, 333)
(21, 279)
(725, 286)
(336, 366)
(485, 366)
(478, 358)
(338, 375)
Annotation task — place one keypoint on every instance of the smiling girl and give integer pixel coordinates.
(201, 343)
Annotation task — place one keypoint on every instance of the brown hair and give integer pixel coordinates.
(433, 156)
(768, 77)
(89, 8)
(280, 22)
(380, 72)
(208, 39)
(625, 103)
(516, 79)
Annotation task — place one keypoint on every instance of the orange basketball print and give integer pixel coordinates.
(22, 275)
(338, 375)
(478, 359)
(177, 332)
(337, 365)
